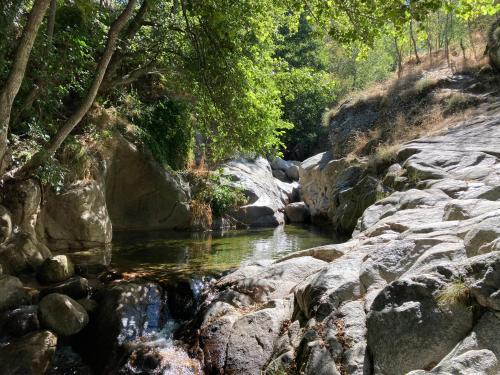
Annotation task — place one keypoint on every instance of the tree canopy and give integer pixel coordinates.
(250, 76)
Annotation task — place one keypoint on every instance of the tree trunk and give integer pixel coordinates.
(38, 86)
(446, 41)
(414, 42)
(398, 57)
(112, 40)
(471, 40)
(16, 75)
(129, 33)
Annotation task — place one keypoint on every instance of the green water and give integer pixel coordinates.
(179, 255)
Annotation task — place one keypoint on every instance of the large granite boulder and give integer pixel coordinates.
(20, 321)
(140, 193)
(21, 250)
(265, 198)
(28, 355)
(406, 318)
(297, 212)
(336, 190)
(77, 217)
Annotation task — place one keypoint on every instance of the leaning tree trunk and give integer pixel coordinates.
(414, 42)
(40, 157)
(16, 75)
(399, 57)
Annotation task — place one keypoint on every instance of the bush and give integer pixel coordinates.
(221, 194)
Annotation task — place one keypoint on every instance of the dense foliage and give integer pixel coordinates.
(251, 76)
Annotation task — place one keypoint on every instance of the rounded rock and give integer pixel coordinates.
(62, 314)
(56, 269)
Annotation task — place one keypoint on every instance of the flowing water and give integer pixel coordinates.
(183, 263)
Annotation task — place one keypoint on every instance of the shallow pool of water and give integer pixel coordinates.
(171, 255)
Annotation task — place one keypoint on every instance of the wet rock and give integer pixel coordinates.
(62, 314)
(55, 269)
(28, 355)
(181, 300)
(67, 362)
(76, 287)
(405, 318)
(20, 321)
(127, 312)
(297, 212)
(279, 174)
(90, 305)
(12, 293)
(77, 217)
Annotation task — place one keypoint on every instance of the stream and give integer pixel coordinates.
(172, 269)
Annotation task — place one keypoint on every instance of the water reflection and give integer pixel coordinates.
(174, 254)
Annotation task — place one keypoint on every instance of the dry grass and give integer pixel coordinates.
(201, 215)
(457, 292)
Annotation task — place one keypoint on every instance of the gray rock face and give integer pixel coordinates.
(29, 355)
(265, 199)
(12, 293)
(405, 317)
(417, 288)
(55, 269)
(477, 353)
(336, 191)
(297, 212)
(5, 225)
(141, 194)
(252, 338)
(62, 314)
(78, 217)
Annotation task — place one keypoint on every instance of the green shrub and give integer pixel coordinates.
(458, 102)
(221, 194)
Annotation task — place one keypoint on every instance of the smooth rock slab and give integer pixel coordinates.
(62, 314)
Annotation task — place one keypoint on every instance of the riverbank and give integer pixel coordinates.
(415, 290)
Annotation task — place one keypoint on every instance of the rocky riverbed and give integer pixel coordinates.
(416, 289)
